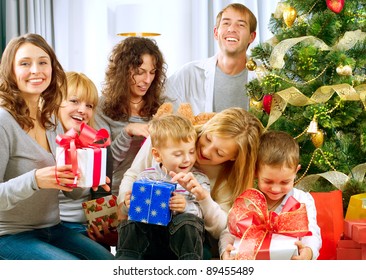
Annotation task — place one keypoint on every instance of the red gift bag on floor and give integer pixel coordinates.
(329, 206)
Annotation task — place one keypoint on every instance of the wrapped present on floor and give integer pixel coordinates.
(330, 219)
(264, 234)
(150, 202)
(86, 152)
(103, 209)
(348, 249)
(356, 207)
(355, 230)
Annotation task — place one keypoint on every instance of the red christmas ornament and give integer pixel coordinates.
(335, 6)
(267, 102)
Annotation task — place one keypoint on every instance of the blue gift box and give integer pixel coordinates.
(150, 202)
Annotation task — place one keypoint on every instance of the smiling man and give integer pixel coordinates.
(218, 82)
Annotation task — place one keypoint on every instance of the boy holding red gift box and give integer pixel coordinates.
(276, 168)
(174, 149)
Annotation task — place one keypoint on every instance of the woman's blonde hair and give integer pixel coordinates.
(238, 175)
(79, 85)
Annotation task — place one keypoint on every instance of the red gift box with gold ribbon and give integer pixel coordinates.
(250, 220)
(86, 152)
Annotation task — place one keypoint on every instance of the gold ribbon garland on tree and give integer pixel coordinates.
(336, 178)
(348, 41)
(296, 98)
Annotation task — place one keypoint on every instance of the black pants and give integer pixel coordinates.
(181, 239)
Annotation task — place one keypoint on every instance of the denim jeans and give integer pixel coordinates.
(81, 228)
(78, 227)
(182, 239)
(53, 243)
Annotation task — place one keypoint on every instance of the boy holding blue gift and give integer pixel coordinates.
(174, 149)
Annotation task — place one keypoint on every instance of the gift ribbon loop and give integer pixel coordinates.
(250, 220)
(87, 138)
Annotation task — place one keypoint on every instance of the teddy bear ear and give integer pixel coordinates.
(164, 109)
(202, 118)
(185, 110)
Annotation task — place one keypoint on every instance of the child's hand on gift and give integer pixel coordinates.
(305, 253)
(107, 236)
(127, 201)
(226, 255)
(124, 206)
(120, 213)
(190, 183)
(177, 203)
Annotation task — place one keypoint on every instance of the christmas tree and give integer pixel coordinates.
(311, 83)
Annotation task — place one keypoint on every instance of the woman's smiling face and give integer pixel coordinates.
(33, 70)
(214, 150)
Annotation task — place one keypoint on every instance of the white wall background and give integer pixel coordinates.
(85, 30)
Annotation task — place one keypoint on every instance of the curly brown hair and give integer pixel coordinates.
(124, 60)
(10, 97)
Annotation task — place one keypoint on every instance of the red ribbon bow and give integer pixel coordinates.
(87, 138)
(250, 220)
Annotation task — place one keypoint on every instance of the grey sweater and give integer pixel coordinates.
(23, 206)
(123, 147)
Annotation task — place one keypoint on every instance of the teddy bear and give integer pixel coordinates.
(185, 110)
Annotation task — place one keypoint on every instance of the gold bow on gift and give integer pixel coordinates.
(250, 220)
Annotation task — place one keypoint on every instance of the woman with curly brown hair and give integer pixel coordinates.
(32, 83)
(131, 95)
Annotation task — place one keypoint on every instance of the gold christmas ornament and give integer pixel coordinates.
(318, 138)
(289, 16)
(313, 127)
(251, 65)
(279, 10)
(257, 105)
(344, 70)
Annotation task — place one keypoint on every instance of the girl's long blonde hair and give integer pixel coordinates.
(238, 175)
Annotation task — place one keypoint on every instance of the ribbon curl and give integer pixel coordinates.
(250, 220)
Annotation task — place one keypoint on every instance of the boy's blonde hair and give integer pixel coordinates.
(171, 128)
(278, 148)
(79, 85)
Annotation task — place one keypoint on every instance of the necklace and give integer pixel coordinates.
(135, 103)
(274, 205)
